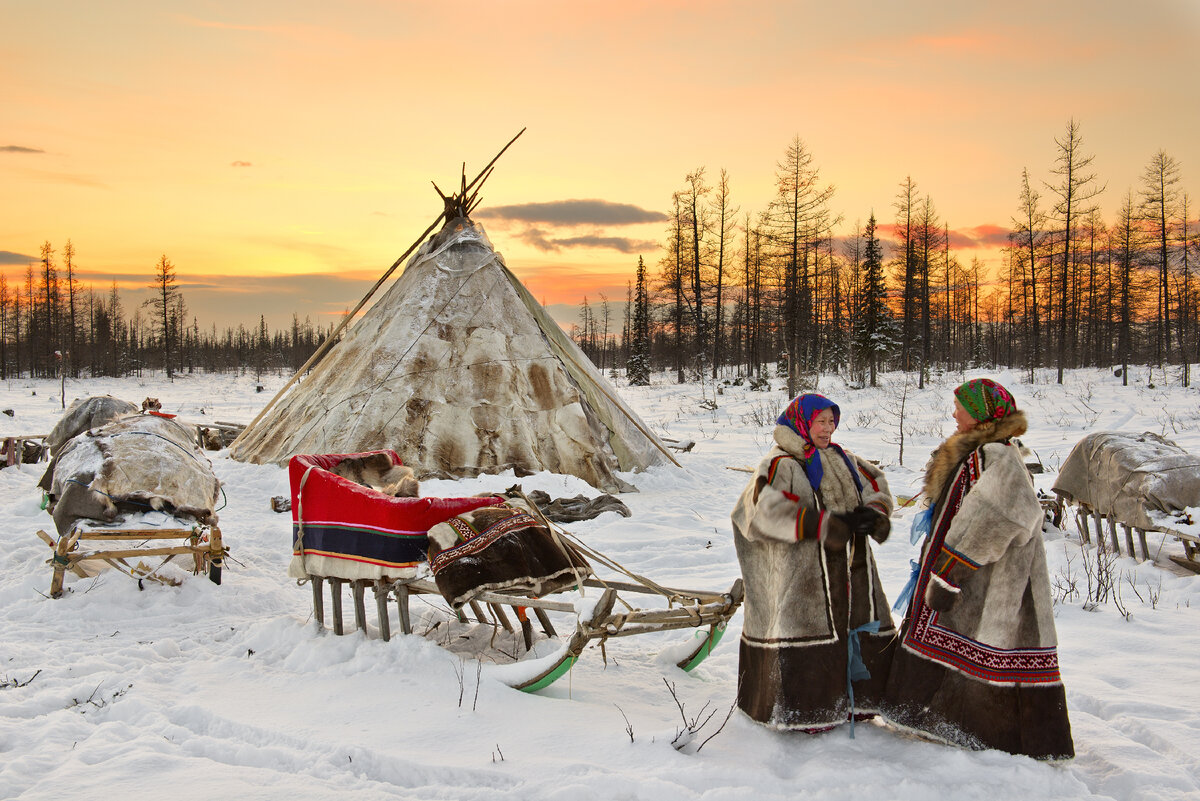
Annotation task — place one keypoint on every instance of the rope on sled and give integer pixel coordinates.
(300, 515)
(608, 562)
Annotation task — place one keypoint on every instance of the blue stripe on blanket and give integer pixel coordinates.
(362, 544)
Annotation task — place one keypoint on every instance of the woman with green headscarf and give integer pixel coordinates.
(978, 659)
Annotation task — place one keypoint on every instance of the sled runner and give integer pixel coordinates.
(490, 558)
(1142, 483)
(116, 546)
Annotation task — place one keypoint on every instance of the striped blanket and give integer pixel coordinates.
(345, 530)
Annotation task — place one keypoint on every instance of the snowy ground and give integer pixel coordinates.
(203, 691)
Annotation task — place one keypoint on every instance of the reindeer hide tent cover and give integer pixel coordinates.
(461, 371)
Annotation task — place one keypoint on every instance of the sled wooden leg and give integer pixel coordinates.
(498, 611)
(62, 561)
(216, 555)
(1098, 524)
(1141, 532)
(526, 626)
(56, 580)
(1188, 559)
(335, 596)
(478, 611)
(402, 605)
(381, 610)
(318, 591)
(1081, 521)
(199, 558)
(358, 588)
(544, 619)
(1112, 535)
(1129, 540)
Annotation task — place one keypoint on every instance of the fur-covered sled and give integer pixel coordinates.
(485, 554)
(128, 487)
(1140, 482)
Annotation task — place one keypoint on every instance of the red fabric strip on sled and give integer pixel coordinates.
(346, 530)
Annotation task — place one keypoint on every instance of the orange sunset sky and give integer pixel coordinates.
(280, 153)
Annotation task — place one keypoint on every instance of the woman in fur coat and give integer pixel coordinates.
(978, 660)
(814, 612)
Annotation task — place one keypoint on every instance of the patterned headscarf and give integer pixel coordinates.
(801, 412)
(798, 416)
(984, 399)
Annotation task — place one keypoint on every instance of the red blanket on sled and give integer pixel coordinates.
(346, 530)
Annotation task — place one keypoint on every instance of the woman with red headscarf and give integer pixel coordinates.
(978, 660)
(814, 648)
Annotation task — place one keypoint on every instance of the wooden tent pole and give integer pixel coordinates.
(328, 343)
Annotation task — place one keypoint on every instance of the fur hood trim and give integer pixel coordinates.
(790, 441)
(949, 454)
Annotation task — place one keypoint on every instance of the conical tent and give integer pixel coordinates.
(459, 370)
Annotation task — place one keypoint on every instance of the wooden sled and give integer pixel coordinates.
(1098, 520)
(345, 533)
(1140, 482)
(705, 612)
(24, 449)
(203, 543)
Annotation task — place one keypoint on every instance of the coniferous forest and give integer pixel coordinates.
(793, 285)
(796, 285)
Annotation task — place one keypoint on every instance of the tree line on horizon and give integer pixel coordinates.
(738, 291)
(51, 325)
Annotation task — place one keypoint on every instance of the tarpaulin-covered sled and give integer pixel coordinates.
(1141, 482)
(130, 485)
(484, 553)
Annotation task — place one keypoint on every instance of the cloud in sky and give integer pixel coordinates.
(240, 164)
(987, 236)
(546, 241)
(8, 257)
(574, 212)
(542, 219)
(19, 149)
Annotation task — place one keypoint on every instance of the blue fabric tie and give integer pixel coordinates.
(921, 525)
(906, 594)
(856, 669)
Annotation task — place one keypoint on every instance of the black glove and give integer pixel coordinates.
(940, 596)
(839, 528)
(872, 523)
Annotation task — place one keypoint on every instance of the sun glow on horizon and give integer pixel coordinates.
(281, 155)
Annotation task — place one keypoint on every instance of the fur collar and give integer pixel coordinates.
(790, 441)
(945, 460)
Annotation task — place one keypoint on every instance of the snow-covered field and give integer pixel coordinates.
(202, 691)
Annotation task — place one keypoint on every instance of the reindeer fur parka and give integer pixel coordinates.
(983, 671)
(798, 611)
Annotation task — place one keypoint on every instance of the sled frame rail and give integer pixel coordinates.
(1099, 521)
(703, 609)
(203, 543)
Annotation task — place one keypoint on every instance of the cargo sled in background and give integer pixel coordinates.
(475, 564)
(1140, 482)
(126, 485)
